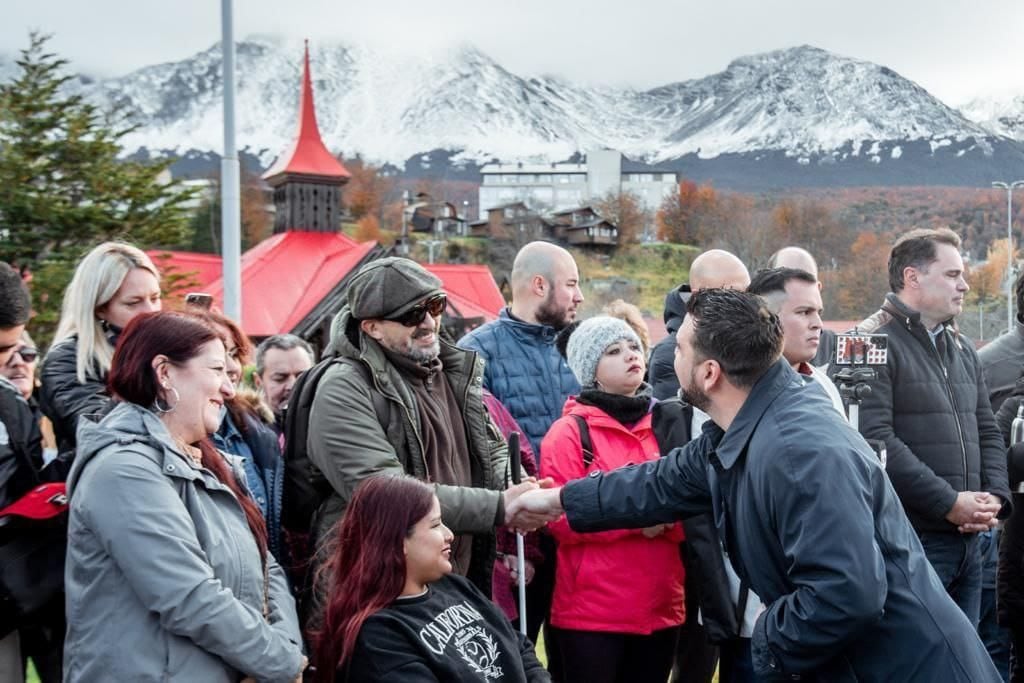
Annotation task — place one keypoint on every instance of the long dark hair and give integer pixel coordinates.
(367, 569)
(179, 336)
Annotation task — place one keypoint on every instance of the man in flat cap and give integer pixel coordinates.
(400, 400)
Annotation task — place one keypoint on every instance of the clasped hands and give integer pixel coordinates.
(532, 504)
(974, 511)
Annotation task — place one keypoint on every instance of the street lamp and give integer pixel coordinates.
(1009, 187)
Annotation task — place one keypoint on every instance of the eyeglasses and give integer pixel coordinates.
(28, 355)
(435, 306)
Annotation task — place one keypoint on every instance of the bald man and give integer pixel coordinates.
(525, 371)
(801, 259)
(712, 269)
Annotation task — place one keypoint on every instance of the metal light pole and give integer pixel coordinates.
(1009, 187)
(230, 195)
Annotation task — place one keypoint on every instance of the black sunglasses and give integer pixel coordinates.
(435, 306)
(27, 354)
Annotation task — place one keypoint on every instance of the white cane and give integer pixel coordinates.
(515, 460)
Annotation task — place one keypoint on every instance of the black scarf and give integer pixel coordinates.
(626, 409)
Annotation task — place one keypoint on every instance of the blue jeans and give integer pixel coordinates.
(956, 559)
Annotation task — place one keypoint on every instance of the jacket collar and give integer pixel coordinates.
(734, 441)
(544, 333)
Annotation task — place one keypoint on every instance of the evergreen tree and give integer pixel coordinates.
(63, 188)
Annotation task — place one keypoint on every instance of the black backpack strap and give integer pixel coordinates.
(380, 404)
(588, 448)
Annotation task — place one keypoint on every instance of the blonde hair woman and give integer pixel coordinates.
(114, 283)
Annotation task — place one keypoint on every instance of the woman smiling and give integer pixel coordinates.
(395, 611)
(168, 575)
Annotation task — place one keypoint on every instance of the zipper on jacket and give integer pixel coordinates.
(952, 401)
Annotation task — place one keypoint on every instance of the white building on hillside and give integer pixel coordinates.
(547, 188)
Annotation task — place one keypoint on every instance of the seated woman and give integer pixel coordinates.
(618, 598)
(114, 283)
(168, 575)
(395, 612)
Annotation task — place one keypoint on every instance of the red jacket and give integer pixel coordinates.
(615, 581)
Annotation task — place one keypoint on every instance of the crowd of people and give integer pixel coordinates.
(230, 511)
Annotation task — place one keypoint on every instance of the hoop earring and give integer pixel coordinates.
(169, 408)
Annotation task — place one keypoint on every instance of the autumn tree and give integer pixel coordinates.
(860, 284)
(367, 189)
(627, 212)
(735, 224)
(987, 281)
(367, 229)
(809, 224)
(256, 221)
(679, 215)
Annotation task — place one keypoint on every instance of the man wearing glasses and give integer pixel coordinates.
(401, 400)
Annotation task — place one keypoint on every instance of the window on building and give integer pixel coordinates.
(657, 177)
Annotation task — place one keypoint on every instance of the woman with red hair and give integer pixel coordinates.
(168, 575)
(395, 612)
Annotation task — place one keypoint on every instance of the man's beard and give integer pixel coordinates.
(550, 314)
(419, 354)
(695, 396)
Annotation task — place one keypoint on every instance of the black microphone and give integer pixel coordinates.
(515, 457)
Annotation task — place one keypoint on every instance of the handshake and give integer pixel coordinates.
(532, 504)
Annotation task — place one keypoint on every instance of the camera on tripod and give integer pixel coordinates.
(857, 356)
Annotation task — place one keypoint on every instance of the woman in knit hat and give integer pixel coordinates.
(618, 599)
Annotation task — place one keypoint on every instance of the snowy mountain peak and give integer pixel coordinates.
(388, 106)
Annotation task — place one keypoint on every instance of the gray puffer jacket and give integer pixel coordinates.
(163, 577)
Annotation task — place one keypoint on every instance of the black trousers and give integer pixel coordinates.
(598, 657)
(695, 657)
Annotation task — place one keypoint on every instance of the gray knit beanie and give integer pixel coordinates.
(588, 343)
(390, 286)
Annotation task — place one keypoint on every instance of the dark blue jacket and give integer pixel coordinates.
(268, 464)
(811, 520)
(524, 371)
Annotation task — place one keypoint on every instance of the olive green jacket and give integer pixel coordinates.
(348, 441)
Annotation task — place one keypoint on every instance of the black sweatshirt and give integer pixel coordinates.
(450, 633)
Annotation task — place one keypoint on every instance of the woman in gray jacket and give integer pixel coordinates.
(168, 575)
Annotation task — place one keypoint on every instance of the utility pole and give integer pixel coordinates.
(230, 194)
(1009, 187)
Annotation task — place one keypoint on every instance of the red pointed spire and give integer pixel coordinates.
(307, 154)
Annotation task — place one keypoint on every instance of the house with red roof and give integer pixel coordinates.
(295, 281)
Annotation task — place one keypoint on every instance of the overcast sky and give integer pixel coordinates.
(956, 49)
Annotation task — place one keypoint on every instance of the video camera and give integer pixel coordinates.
(861, 349)
(857, 355)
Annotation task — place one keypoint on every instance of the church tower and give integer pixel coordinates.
(307, 179)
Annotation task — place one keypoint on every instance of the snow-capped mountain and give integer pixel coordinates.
(1001, 116)
(803, 101)
(814, 112)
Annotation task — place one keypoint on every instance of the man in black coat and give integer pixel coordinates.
(803, 506)
(930, 405)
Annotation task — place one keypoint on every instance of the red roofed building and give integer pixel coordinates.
(296, 280)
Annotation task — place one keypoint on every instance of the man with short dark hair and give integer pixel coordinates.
(795, 297)
(929, 404)
(803, 506)
(402, 400)
(20, 440)
(801, 259)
